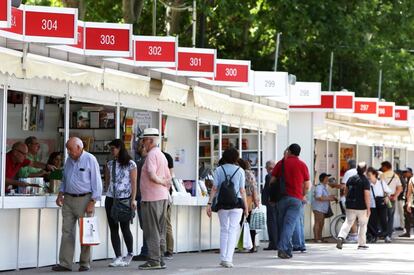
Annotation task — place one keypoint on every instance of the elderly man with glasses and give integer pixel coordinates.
(16, 158)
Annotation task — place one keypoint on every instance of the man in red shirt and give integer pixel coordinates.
(16, 159)
(297, 182)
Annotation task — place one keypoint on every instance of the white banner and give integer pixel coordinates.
(305, 93)
(270, 83)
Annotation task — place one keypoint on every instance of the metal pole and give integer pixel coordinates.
(154, 17)
(379, 83)
(194, 22)
(277, 49)
(330, 72)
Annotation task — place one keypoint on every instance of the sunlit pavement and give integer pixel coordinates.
(380, 258)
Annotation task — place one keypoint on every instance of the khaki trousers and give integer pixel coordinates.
(169, 236)
(154, 222)
(318, 226)
(73, 209)
(351, 216)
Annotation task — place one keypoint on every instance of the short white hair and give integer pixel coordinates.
(155, 140)
(77, 141)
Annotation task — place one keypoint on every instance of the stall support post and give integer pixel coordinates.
(357, 153)
(66, 126)
(276, 146)
(327, 157)
(118, 121)
(211, 147)
(406, 157)
(197, 150)
(259, 162)
(220, 141)
(3, 141)
(240, 140)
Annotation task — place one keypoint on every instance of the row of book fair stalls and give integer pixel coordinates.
(339, 138)
(53, 99)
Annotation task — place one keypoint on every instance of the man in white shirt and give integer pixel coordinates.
(352, 171)
(394, 183)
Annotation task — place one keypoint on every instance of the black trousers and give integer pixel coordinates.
(377, 224)
(114, 229)
(408, 217)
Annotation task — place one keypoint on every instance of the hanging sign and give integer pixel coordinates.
(155, 51)
(326, 104)
(5, 13)
(307, 95)
(15, 31)
(270, 83)
(232, 72)
(386, 110)
(401, 113)
(196, 62)
(366, 106)
(344, 102)
(102, 39)
(43, 25)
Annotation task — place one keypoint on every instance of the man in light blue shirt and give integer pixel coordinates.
(80, 189)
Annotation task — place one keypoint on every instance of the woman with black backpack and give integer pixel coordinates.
(358, 206)
(228, 198)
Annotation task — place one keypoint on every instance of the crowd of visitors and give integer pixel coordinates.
(368, 197)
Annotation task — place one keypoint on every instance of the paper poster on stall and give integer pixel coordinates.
(347, 153)
(142, 120)
(321, 160)
(378, 156)
(333, 160)
(179, 156)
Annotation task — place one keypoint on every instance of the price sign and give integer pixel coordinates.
(16, 26)
(308, 94)
(326, 104)
(270, 83)
(5, 13)
(368, 106)
(401, 113)
(50, 25)
(155, 51)
(196, 62)
(344, 102)
(232, 72)
(386, 109)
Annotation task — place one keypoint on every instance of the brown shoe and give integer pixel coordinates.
(83, 268)
(405, 235)
(60, 268)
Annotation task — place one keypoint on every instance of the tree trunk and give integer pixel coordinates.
(175, 17)
(131, 10)
(77, 4)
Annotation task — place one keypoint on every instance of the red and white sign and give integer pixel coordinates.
(232, 72)
(386, 110)
(43, 24)
(5, 13)
(102, 39)
(366, 106)
(16, 26)
(155, 51)
(50, 25)
(196, 62)
(401, 113)
(327, 104)
(344, 102)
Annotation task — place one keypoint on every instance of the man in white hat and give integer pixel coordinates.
(154, 185)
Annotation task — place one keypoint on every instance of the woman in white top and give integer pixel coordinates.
(121, 180)
(379, 193)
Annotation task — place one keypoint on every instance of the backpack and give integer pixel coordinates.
(227, 196)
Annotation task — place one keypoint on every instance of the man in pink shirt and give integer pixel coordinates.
(154, 186)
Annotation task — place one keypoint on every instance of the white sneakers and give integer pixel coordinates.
(226, 264)
(117, 262)
(127, 259)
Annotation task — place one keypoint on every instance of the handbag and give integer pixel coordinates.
(245, 240)
(257, 220)
(277, 189)
(379, 201)
(329, 213)
(121, 210)
(88, 231)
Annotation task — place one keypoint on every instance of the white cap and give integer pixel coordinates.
(150, 132)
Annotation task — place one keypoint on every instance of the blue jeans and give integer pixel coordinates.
(298, 238)
(390, 215)
(271, 222)
(288, 210)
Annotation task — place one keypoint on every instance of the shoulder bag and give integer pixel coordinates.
(121, 210)
(277, 189)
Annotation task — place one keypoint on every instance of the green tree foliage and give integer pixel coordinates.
(364, 35)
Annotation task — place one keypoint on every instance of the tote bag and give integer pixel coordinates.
(89, 234)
